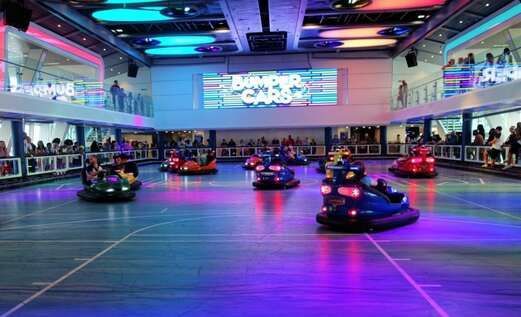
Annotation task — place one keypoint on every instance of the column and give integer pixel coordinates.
(212, 136)
(466, 133)
(328, 137)
(383, 140)
(18, 144)
(427, 130)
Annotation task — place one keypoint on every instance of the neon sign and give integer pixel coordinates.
(77, 92)
(59, 91)
(270, 89)
(498, 74)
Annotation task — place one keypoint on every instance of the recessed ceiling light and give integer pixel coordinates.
(482, 42)
(180, 40)
(119, 73)
(440, 35)
(487, 4)
(121, 57)
(59, 25)
(84, 39)
(131, 15)
(432, 56)
(424, 45)
(119, 30)
(112, 69)
(104, 49)
(176, 50)
(441, 52)
(359, 43)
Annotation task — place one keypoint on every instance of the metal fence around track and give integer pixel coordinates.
(10, 168)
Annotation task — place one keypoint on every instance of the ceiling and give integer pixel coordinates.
(115, 28)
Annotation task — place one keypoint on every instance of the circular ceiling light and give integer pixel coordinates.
(129, 1)
(209, 49)
(328, 44)
(181, 40)
(172, 51)
(188, 11)
(351, 33)
(362, 43)
(131, 15)
(395, 31)
(146, 42)
(349, 4)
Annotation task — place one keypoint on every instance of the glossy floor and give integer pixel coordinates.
(212, 246)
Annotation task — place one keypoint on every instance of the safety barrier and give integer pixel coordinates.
(53, 164)
(246, 151)
(10, 168)
(194, 151)
(365, 149)
(447, 152)
(106, 158)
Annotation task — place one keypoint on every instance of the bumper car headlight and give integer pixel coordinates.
(124, 188)
(109, 190)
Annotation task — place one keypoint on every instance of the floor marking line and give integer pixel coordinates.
(163, 210)
(401, 259)
(440, 311)
(36, 212)
(506, 214)
(481, 181)
(430, 285)
(81, 259)
(94, 258)
(40, 283)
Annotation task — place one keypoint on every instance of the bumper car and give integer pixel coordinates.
(198, 168)
(419, 163)
(298, 160)
(337, 155)
(172, 164)
(252, 162)
(274, 174)
(108, 189)
(351, 202)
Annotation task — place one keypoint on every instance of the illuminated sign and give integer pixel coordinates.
(291, 88)
(59, 91)
(460, 79)
(78, 92)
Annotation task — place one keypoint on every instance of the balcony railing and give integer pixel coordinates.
(53, 164)
(106, 158)
(10, 168)
(457, 80)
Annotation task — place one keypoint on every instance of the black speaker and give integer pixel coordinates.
(17, 16)
(132, 70)
(412, 59)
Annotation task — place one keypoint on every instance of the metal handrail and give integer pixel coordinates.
(106, 158)
(10, 168)
(37, 165)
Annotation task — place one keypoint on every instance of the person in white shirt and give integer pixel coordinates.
(494, 153)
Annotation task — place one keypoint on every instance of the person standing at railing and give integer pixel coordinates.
(114, 91)
(494, 153)
(505, 58)
(4, 152)
(514, 142)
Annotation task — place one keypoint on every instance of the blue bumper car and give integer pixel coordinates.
(273, 173)
(352, 202)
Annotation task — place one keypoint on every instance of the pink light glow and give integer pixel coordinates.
(138, 121)
(41, 34)
(401, 4)
(352, 33)
(359, 43)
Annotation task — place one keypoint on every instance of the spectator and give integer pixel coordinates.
(514, 142)
(489, 59)
(478, 138)
(3, 150)
(494, 153)
(114, 91)
(29, 147)
(505, 57)
(481, 130)
(40, 149)
(451, 63)
(94, 147)
(290, 141)
(471, 59)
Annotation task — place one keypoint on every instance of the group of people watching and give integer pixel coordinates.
(123, 101)
(262, 142)
(496, 144)
(505, 58)
(110, 145)
(56, 147)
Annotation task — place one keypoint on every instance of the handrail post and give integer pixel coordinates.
(18, 133)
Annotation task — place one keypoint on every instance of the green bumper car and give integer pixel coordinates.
(108, 189)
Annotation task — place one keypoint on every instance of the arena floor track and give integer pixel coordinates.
(213, 246)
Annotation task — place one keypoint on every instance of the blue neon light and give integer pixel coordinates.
(129, 1)
(488, 25)
(175, 50)
(144, 14)
(181, 40)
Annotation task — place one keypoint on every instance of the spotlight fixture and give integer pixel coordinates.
(183, 11)
(349, 4)
(395, 31)
(328, 44)
(146, 42)
(209, 49)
